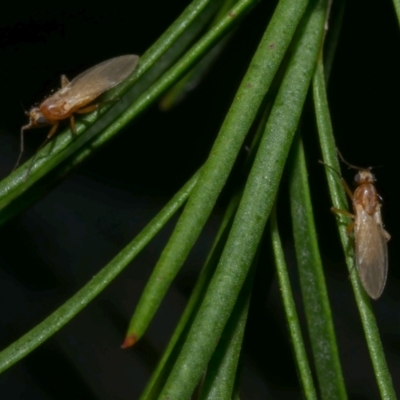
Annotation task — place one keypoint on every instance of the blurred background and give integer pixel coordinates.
(55, 246)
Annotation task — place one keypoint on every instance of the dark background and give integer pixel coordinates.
(54, 247)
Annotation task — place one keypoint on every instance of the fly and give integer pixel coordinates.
(76, 96)
(371, 255)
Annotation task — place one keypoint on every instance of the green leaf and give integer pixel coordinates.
(81, 299)
(265, 112)
(254, 209)
(315, 295)
(237, 123)
(291, 314)
(339, 201)
(219, 380)
(175, 344)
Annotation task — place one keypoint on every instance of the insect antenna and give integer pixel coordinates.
(344, 183)
(21, 148)
(351, 165)
(333, 169)
(21, 140)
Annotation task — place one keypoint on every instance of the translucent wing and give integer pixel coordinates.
(371, 252)
(97, 80)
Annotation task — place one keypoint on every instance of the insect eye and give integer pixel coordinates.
(357, 178)
(41, 120)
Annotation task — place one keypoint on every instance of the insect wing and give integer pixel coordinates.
(98, 79)
(371, 252)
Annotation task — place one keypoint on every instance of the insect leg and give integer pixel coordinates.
(343, 212)
(72, 123)
(387, 235)
(93, 107)
(347, 189)
(350, 227)
(52, 130)
(88, 109)
(83, 110)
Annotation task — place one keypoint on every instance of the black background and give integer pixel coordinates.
(55, 246)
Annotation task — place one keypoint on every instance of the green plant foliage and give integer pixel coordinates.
(204, 353)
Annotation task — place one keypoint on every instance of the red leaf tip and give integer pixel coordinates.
(129, 341)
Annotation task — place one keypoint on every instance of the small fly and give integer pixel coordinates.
(75, 97)
(370, 237)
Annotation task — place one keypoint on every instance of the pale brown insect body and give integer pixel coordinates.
(75, 97)
(370, 237)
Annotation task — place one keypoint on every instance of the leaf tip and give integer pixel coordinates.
(129, 341)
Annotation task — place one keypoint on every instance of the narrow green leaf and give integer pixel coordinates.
(291, 313)
(222, 369)
(254, 209)
(338, 197)
(334, 26)
(223, 154)
(315, 295)
(396, 4)
(76, 303)
(160, 375)
(188, 83)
